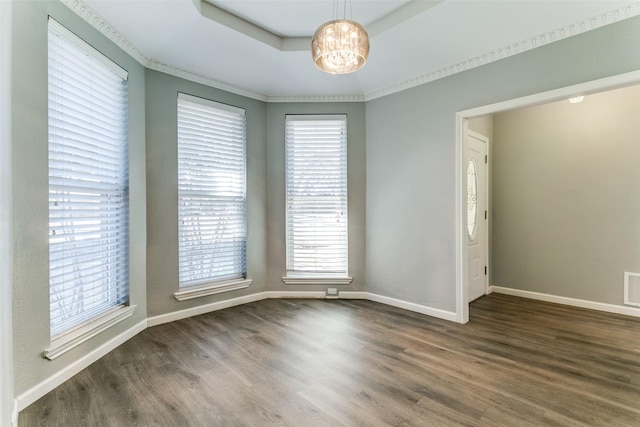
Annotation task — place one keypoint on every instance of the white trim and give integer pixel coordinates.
(14, 414)
(416, 308)
(228, 303)
(274, 99)
(39, 390)
(361, 295)
(462, 291)
(74, 338)
(586, 88)
(97, 22)
(212, 289)
(574, 302)
(207, 81)
(607, 83)
(202, 309)
(93, 19)
(593, 23)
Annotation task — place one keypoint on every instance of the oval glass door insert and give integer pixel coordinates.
(472, 198)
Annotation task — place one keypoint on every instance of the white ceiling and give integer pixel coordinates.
(411, 41)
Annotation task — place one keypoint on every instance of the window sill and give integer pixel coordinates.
(68, 341)
(316, 280)
(217, 288)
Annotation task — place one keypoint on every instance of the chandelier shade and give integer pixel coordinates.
(340, 47)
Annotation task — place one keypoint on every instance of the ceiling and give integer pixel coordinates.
(261, 48)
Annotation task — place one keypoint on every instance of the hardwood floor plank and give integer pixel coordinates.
(317, 363)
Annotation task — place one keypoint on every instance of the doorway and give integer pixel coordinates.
(463, 296)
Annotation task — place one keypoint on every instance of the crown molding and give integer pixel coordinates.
(511, 50)
(91, 17)
(316, 98)
(300, 44)
(207, 81)
(98, 23)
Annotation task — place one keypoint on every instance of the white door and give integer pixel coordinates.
(477, 228)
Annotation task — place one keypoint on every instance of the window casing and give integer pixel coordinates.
(88, 183)
(211, 192)
(316, 196)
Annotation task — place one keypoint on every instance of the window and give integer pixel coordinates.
(211, 192)
(88, 183)
(316, 191)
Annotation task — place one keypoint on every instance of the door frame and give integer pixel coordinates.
(608, 83)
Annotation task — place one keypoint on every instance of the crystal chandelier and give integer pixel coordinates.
(340, 46)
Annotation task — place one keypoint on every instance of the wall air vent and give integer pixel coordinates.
(632, 289)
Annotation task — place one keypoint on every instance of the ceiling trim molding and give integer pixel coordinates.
(101, 25)
(207, 81)
(511, 50)
(300, 44)
(91, 17)
(316, 98)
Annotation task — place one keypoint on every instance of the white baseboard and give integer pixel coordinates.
(410, 306)
(202, 309)
(609, 308)
(417, 308)
(221, 305)
(36, 392)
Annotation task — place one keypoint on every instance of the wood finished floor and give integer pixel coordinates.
(315, 363)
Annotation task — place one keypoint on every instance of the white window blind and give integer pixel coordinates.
(211, 192)
(88, 182)
(316, 180)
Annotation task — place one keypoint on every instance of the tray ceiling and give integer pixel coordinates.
(219, 42)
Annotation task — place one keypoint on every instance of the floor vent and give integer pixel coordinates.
(632, 289)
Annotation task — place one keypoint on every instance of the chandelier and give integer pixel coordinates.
(340, 46)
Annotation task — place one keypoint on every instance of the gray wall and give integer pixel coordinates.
(6, 257)
(356, 170)
(410, 204)
(566, 196)
(162, 190)
(30, 189)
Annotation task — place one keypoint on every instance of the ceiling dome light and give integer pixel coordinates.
(340, 47)
(576, 99)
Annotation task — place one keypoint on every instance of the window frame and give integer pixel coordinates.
(298, 277)
(119, 306)
(237, 279)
